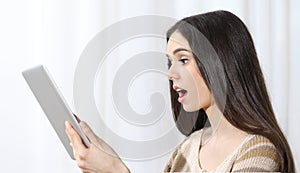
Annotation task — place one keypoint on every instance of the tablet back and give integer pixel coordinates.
(53, 104)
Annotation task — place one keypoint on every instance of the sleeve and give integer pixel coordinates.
(260, 156)
(170, 162)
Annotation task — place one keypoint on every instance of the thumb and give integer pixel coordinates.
(88, 131)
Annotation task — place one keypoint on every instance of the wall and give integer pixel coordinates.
(55, 33)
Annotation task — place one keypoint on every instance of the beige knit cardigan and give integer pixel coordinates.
(255, 154)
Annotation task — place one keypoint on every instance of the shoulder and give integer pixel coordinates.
(192, 140)
(190, 143)
(257, 154)
(184, 154)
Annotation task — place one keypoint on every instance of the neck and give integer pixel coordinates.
(215, 117)
(220, 127)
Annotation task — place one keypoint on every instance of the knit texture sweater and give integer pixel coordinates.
(255, 154)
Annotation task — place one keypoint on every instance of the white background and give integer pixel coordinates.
(55, 32)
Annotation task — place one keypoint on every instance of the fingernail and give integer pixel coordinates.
(66, 123)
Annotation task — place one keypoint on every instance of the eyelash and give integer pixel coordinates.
(184, 60)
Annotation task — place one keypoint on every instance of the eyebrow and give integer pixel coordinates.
(178, 50)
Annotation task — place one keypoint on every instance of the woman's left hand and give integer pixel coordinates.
(99, 157)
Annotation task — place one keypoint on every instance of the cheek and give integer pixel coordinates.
(203, 96)
(199, 96)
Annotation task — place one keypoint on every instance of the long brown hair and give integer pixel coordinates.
(246, 104)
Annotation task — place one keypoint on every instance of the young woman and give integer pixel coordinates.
(213, 71)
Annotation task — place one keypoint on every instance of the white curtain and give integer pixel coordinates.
(55, 33)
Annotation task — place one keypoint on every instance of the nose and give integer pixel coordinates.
(172, 75)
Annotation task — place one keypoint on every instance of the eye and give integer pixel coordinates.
(184, 60)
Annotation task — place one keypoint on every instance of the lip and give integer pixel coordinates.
(175, 87)
(180, 98)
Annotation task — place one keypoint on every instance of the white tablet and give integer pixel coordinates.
(53, 104)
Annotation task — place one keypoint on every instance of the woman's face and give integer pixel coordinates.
(192, 91)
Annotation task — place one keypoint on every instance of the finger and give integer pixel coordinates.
(88, 131)
(74, 137)
(70, 132)
(95, 140)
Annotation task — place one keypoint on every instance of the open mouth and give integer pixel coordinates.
(181, 93)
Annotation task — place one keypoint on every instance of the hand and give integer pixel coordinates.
(99, 157)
